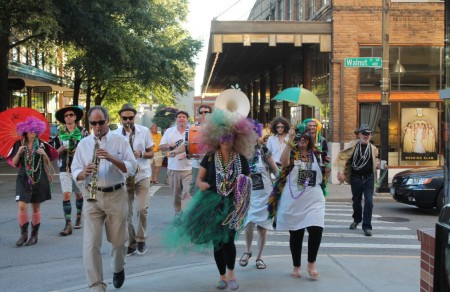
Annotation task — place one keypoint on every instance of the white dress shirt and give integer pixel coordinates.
(276, 147)
(142, 140)
(108, 174)
(180, 161)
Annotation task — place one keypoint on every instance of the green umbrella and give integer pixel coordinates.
(298, 95)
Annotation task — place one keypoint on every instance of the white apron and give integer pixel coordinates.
(257, 212)
(308, 209)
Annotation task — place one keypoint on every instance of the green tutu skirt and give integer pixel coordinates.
(199, 225)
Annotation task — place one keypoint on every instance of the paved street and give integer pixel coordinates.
(348, 261)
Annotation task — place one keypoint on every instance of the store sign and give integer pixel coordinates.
(42, 89)
(371, 62)
(419, 134)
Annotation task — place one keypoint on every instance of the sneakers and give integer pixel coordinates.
(131, 251)
(141, 248)
(222, 284)
(233, 284)
(353, 226)
(367, 232)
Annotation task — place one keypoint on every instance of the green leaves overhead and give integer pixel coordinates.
(105, 41)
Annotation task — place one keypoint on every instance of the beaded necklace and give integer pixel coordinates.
(301, 188)
(226, 174)
(255, 159)
(30, 164)
(360, 159)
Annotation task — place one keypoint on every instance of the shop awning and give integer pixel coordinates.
(240, 50)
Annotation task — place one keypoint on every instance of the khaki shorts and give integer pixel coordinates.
(158, 159)
(68, 184)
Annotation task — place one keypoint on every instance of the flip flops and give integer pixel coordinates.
(244, 259)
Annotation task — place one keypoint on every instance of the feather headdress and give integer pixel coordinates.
(31, 125)
(225, 123)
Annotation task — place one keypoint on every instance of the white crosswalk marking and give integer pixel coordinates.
(153, 190)
(337, 235)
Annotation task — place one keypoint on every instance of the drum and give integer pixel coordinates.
(193, 147)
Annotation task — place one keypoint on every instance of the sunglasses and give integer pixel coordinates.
(204, 112)
(127, 118)
(365, 133)
(280, 127)
(94, 123)
(69, 115)
(226, 138)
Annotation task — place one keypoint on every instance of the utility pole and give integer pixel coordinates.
(385, 92)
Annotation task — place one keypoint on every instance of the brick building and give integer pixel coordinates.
(300, 42)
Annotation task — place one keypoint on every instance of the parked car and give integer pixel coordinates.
(421, 187)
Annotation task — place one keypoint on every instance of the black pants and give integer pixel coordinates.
(225, 254)
(296, 241)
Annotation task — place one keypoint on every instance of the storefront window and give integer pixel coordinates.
(408, 71)
(320, 76)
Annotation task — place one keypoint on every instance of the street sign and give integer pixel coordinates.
(372, 62)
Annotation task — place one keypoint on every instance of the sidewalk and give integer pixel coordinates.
(346, 273)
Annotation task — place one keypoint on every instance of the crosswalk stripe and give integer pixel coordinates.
(343, 235)
(153, 190)
(349, 214)
(351, 220)
(342, 245)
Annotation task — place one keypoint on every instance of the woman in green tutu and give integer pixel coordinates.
(218, 210)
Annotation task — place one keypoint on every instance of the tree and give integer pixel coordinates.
(136, 41)
(162, 120)
(106, 40)
(21, 22)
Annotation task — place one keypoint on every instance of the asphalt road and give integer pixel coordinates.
(55, 263)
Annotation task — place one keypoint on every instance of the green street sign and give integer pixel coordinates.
(363, 62)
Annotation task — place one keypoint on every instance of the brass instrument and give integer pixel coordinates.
(131, 180)
(96, 161)
(233, 101)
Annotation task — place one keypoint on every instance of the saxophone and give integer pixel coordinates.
(96, 161)
(131, 180)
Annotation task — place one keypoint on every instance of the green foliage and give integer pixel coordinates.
(163, 121)
(140, 41)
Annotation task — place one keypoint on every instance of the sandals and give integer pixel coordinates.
(260, 264)
(296, 273)
(156, 182)
(313, 272)
(244, 259)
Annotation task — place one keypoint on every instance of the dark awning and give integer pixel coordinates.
(240, 50)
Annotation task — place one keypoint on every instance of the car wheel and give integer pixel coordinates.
(440, 200)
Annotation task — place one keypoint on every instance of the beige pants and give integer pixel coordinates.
(180, 182)
(110, 210)
(141, 198)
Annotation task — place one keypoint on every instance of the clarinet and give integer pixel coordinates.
(131, 180)
(95, 161)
